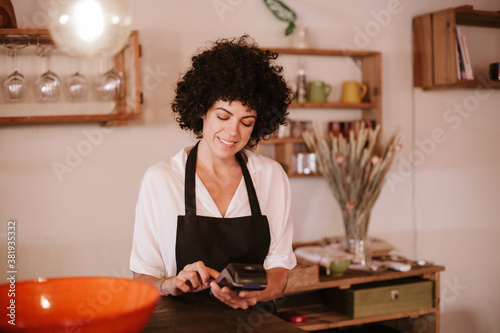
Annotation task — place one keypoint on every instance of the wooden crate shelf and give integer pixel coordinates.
(310, 299)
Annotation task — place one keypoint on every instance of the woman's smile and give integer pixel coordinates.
(227, 128)
(227, 143)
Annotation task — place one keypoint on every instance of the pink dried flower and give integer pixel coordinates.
(339, 158)
(375, 159)
(350, 205)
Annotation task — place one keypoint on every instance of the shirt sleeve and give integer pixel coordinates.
(146, 255)
(276, 207)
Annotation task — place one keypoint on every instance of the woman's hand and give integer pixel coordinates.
(233, 297)
(276, 283)
(193, 277)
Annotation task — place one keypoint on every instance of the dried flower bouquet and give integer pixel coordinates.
(355, 169)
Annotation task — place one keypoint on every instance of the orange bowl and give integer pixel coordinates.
(77, 304)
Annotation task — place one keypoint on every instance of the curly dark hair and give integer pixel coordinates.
(233, 70)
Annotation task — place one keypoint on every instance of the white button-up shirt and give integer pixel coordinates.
(161, 200)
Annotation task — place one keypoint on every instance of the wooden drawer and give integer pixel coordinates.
(376, 299)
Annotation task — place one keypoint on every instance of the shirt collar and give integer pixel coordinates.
(254, 164)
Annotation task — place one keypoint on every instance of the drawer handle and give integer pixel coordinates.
(394, 295)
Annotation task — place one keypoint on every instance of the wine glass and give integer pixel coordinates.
(109, 86)
(14, 86)
(48, 85)
(77, 87)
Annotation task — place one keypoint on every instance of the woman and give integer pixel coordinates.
(217, 203)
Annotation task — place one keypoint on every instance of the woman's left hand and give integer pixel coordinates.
(276, 283)
(233, 297)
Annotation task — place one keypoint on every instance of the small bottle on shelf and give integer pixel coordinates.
(301, 83)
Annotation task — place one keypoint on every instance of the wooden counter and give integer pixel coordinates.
(200, 312)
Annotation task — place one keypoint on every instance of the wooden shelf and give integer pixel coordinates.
(321, 317)
(352, 277)
(26, 36)
(466, 15)
(63, 111)
(370, 65)
(466, 84)
(284, 150)
(435, 45)
(310, 299)
(334, 105)
(302, 175)
(104, 119)
(275, 141)
(325, 52)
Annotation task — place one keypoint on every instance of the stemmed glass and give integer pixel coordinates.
(14, 86)
(77, 87)
(48, 85)
(109, 86)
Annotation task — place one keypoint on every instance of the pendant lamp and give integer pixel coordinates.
(93, 29)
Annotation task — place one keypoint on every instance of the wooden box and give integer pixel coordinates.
(375, 299)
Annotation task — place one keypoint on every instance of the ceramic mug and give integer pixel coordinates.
(353, 92)
(318, 91)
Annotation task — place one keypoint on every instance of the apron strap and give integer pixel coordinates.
(190, 181)
(252, 195)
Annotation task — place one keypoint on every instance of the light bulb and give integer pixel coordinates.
(90, 28)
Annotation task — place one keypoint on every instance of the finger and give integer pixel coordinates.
(230, 297)
(219, 293)
(234, 303)
(213, 273)
(248, 294)
(201, 269)
(239, 305)
(180, 287)
(215, 289)
(222, 292)
(250, 301)
(187, 278)
(192, 279)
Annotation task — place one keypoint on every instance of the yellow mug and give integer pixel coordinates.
(353, 92)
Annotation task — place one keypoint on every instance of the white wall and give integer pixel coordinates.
(443, 209)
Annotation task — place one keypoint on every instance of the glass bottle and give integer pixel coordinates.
(301, 83)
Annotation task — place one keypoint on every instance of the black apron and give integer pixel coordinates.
(220, 241)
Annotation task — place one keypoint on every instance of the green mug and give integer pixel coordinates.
(318, 92)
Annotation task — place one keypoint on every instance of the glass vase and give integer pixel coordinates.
(356, 227)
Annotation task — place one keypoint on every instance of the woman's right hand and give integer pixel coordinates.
(193, 277)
